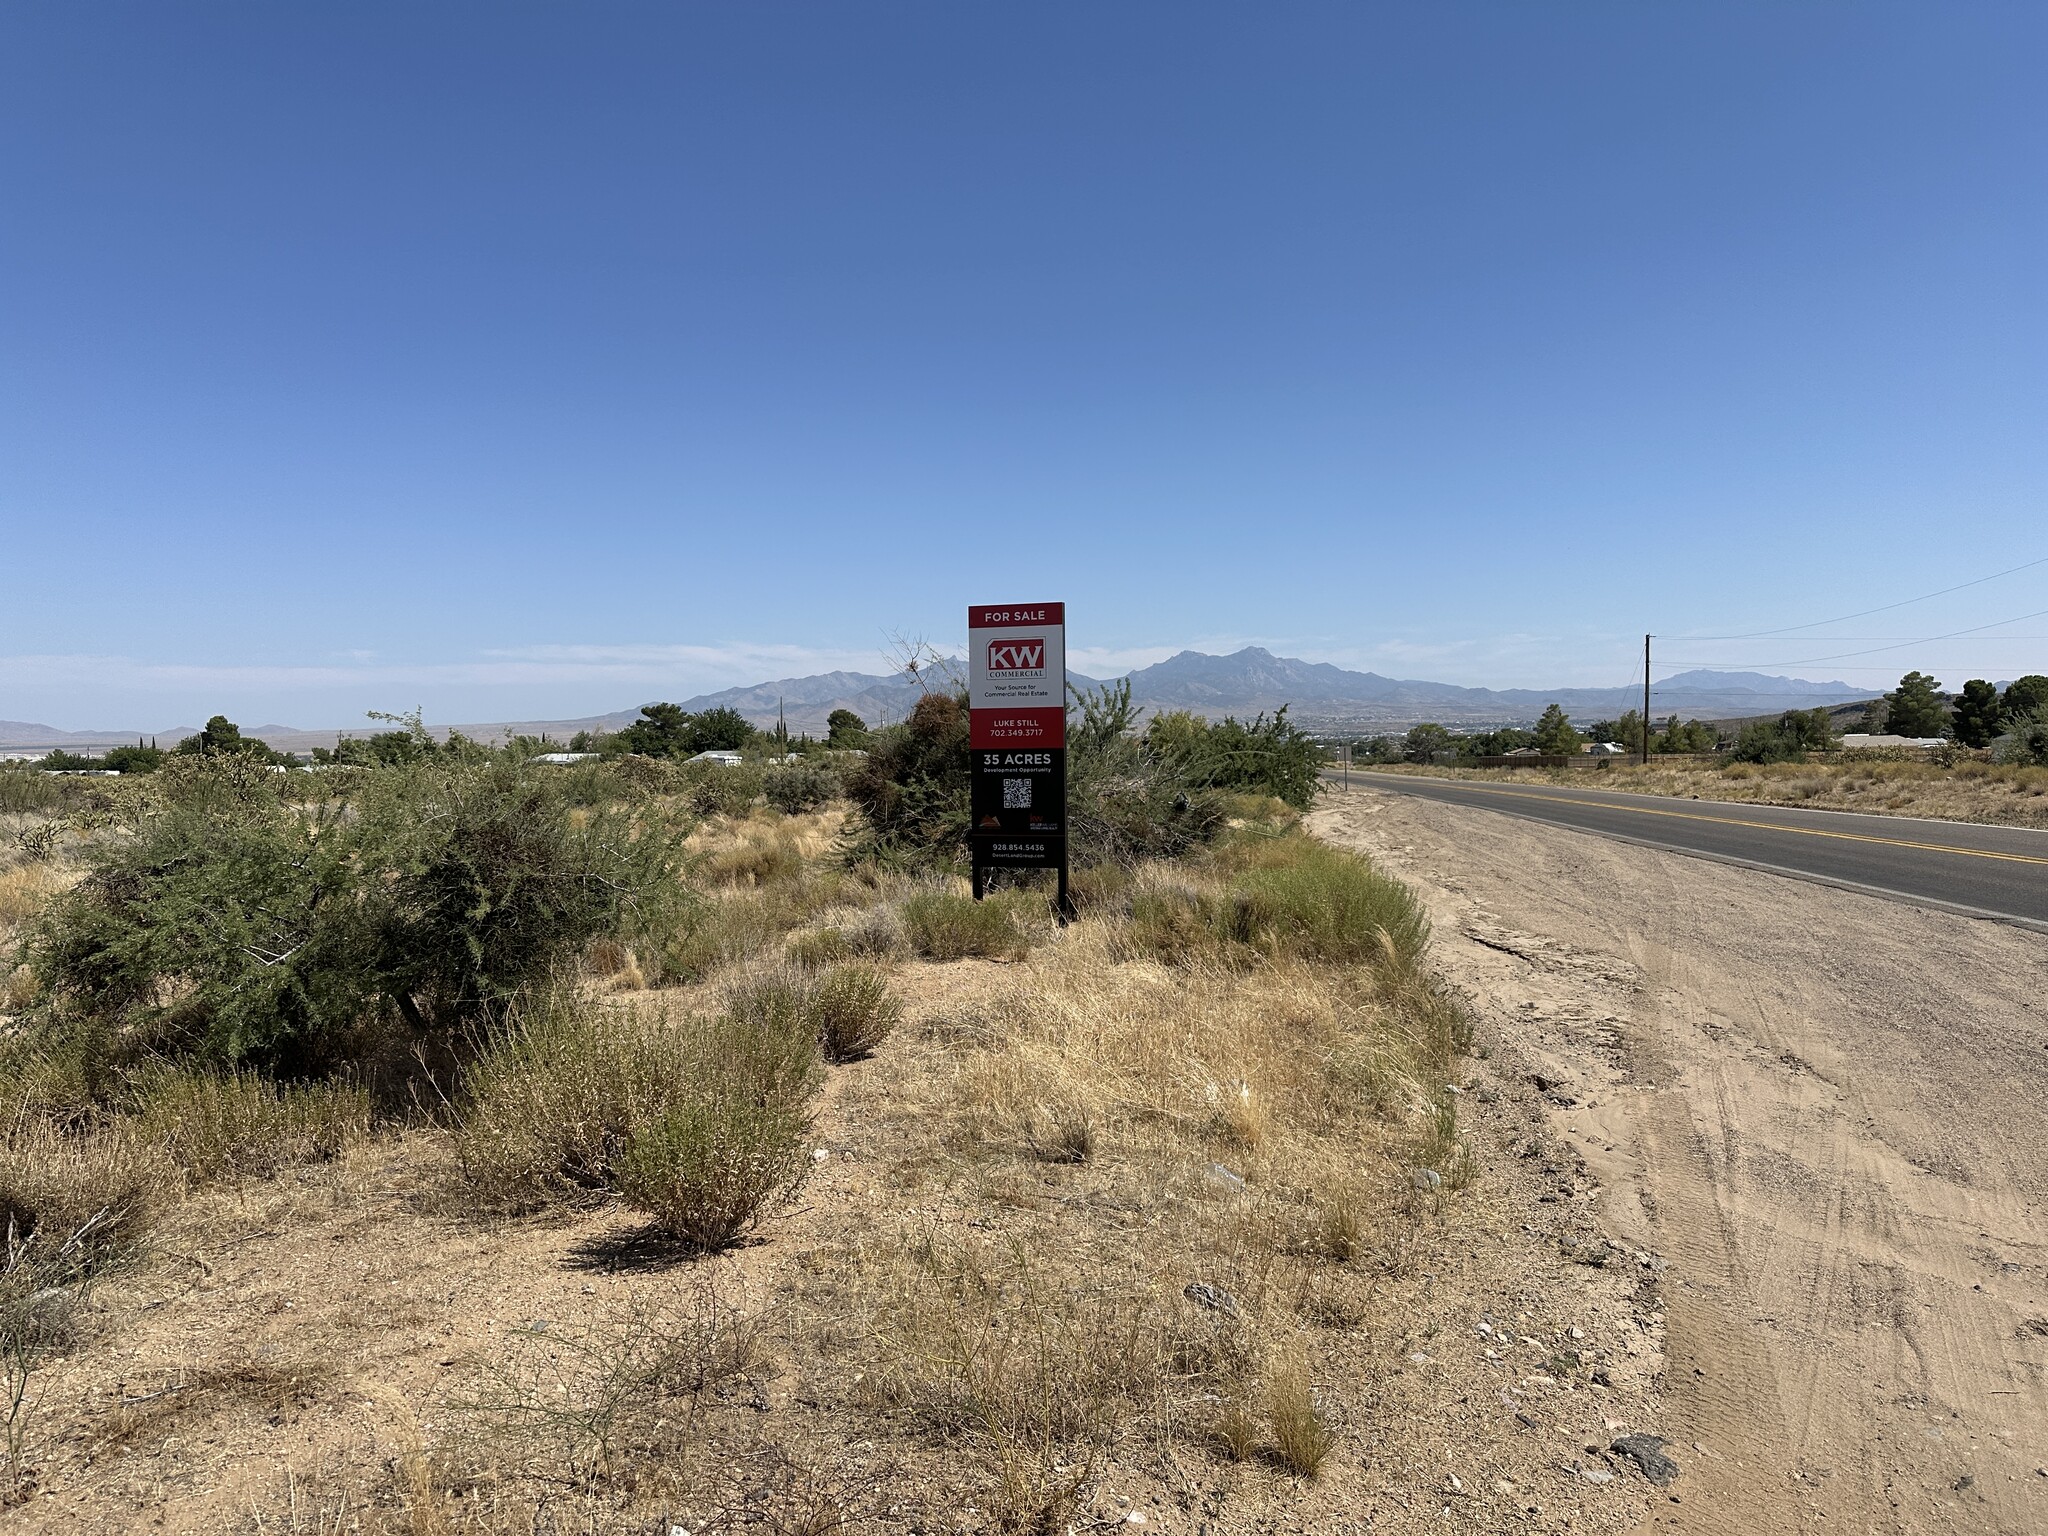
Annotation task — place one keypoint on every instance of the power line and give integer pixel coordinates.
(1874, 650)
(1757, 634)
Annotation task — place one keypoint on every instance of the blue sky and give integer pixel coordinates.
(523, 360)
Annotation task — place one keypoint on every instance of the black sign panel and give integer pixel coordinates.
(1019, 792)
(996, 851)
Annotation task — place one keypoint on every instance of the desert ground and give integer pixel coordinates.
(1827, 1112)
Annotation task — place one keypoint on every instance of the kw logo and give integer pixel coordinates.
(1016, 655)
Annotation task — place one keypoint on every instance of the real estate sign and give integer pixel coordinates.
(1017, 729)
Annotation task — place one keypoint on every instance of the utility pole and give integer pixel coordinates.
(1646, 701)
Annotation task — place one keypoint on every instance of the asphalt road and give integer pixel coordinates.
(1999, 872)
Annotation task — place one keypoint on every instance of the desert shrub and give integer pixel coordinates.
(709, 1166)
(799, 787)
(259, 932)
(25, 788)
(552, 1100)
(710, 935)
(698, 1122)
(1325, 904)
(817, 948)
(716, 790)
(762, 855)
(911, 788)
(236, 1125)
(72, 1205)
(941, 925)
(2024, 742)
(854, 1011)
(1286, 895)
(1268, 756)
(1131, 798)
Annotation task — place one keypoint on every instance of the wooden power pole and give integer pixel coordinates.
(1646, 701)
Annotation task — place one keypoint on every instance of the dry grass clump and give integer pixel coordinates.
(72, 1205)
(1302, 1437)
(855, 1011)
(1281, 896)
(25, 888)
(233, 1126)
(697, 1121)
(944, 925)
(577, 1404)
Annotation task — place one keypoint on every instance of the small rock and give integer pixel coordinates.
(819, 1155)
(1214, 1297)
(1647, 1452)
(1135, 1517)
(1426, 1179)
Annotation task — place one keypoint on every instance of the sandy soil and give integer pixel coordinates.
(1827, 1112)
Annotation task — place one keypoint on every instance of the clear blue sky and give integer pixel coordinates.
(524, 360)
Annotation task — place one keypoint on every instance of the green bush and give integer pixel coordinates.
(943, 926)
(2025, 740)
(717, 790)
(911, 789)
(1785, 740)
(1268, 756)
(799, 787)
(709, 1166)
(259, 932)
(1131, 798)
(24, 788)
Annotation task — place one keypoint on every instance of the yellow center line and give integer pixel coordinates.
(1737, 821)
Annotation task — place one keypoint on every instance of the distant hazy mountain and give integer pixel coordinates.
(1255, 679)
(1243, 683)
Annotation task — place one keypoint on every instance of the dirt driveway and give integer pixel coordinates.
(1826, 1111)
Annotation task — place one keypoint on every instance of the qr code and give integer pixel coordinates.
(1016, 794)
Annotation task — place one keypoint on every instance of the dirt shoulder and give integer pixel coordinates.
(1872, 783)
(1828, 1113)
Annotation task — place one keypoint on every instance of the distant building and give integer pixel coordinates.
(567, 757)
(1864, 739)
(723, 759)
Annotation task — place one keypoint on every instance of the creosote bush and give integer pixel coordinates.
(798, 787)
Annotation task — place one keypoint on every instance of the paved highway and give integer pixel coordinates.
(1999, 872)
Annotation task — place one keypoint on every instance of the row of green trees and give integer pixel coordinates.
(1975, 717)
(1131, 793)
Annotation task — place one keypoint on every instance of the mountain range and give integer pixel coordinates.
(1243, 683)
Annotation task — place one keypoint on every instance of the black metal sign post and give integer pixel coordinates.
(1017, 732)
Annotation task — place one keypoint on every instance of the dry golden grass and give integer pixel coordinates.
(1253, 1126)
(1097, 1206)
(25, 889)
(1876, 783)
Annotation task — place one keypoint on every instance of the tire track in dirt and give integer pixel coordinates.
(1828, 1113)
